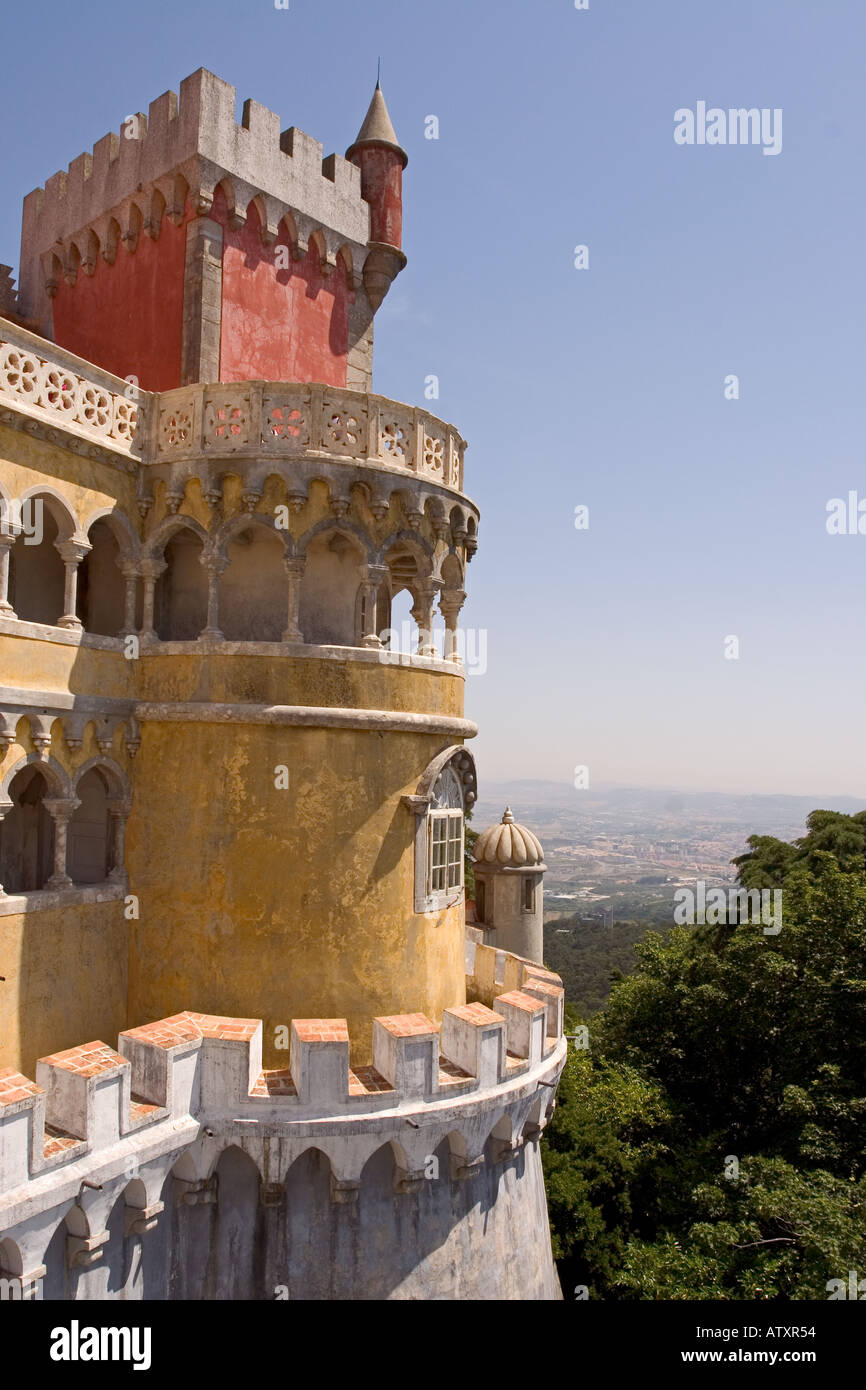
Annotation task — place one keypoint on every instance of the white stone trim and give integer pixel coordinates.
(41, 899)
(310, 716)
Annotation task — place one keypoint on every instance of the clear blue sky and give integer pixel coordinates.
(601, 387)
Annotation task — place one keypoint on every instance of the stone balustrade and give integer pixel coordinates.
(41, 391)
(287, 419)
(253, 420)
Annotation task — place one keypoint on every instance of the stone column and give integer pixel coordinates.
(450, 603)
(6, 543)
(150, 572)
(422, 612)
(214, 564)
(376, 576)
(131, 577)
(71, 553)
(60, 810)
(294, 569)
(118, 811)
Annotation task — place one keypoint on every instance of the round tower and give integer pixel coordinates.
(509, 888)
(231, 812)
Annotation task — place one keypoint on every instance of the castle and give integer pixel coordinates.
(231, 817)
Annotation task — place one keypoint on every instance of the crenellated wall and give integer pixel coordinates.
(216, 1179)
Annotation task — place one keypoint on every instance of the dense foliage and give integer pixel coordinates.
(586, 954)
(711, 1143)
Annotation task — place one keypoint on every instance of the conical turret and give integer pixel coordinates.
(381, 159)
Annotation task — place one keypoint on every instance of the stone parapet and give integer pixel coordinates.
(88, 1100)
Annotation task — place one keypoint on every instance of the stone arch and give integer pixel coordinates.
(111, 241)
(71, 263)
(60, 508)
(11, 1261)
(336, 557)
(111, 564)
(154, 545)
(287, 235)
(226, 187)
(155, 212)
(345, 262)
(37, 571)
(239, 1232)
(253, 585)
(26, 830)
(96, 826)
(181, 546)
(257, 212)
(311, 1218)
(318, 246)
(55, 774)
(132, 230)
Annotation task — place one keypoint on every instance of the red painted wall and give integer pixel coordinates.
(382, 187)
(279, 325)
(128, 317)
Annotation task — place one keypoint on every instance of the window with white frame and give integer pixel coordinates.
(447, 788)
(444, 851)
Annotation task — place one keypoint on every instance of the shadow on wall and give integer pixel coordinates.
(229, 1237)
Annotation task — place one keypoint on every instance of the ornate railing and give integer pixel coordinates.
(252, 418)
(51, 389)
(293, 419)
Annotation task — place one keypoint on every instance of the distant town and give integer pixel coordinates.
(618, 852)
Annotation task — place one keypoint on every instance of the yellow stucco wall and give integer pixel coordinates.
(86, 484)
(283, 903)
(253, 901)
(65, 980)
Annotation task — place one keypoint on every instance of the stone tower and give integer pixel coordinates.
(225, 803)
(509, 888)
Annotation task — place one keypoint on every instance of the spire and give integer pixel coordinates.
(378, 129)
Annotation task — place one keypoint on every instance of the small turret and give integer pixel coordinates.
(509, 874)
(381, 159)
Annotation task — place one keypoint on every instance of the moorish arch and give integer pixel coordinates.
(97, 826)
(336, 556)
(108, 575)
(43, 563)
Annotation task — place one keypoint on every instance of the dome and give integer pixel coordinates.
(508, 845)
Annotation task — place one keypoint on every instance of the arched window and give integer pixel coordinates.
(445, 835)
(445, 793)
(89, 841)
(26, 835)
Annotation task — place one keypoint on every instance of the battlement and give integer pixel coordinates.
(185, 147)
(199, 1066)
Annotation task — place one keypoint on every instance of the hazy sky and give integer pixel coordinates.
(602, 387)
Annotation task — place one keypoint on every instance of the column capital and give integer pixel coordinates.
(61, 808)
(295, 565)
(72, 552)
